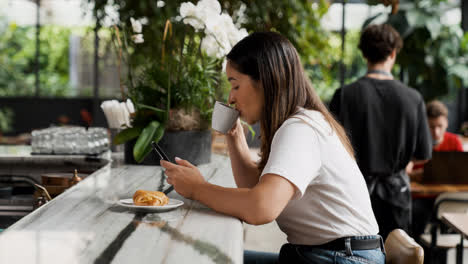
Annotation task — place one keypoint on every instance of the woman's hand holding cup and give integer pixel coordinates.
(224, 118)
(237, 130)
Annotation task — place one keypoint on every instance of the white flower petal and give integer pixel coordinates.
(220, 31)
(138, 38)
(210, 46)
(143, 20)
(224, 64)
(160, 4)
(192, 15)
(130, 106)
(187, 9)
(210, 6)
(136, 25)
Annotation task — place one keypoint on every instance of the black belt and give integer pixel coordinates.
(356, 244)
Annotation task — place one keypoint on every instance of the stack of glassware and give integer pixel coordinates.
(70, 140)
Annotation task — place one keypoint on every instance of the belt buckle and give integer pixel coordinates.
(349, 250)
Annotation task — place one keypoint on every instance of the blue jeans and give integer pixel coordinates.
(291, 253)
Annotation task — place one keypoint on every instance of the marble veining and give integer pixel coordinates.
(84, 225)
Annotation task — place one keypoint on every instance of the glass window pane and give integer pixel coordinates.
(17, 48)
(66, 49)
(66, 57)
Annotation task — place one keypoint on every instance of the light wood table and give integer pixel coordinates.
(459, 222)
(85, 225)
(421, 190)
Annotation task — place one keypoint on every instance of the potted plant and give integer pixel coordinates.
(174, 89)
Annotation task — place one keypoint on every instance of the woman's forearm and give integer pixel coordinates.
(238, 202)
(259, 205)
(244, 169)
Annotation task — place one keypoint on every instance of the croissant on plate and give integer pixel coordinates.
(151, 198)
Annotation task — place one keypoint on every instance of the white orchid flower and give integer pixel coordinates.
(191, 15)
(224, 64)
(240, 15)
(237, 35)
(242, 33)
(130, 106)
(225, 22)
(138, 38)
(143, 20)
(210, 46)
(220, 27)
(136, 25)
(220, 31)
(187, 9)
(160, 4)
(211, 7)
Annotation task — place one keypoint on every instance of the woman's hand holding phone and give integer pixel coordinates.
(184, 176)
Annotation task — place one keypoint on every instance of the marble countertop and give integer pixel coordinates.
(18, 161)
(85, 225)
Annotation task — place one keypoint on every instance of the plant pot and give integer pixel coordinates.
(193, 146)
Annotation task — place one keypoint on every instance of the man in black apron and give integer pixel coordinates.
(387, 124)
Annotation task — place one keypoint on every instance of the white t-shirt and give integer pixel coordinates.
(331, 199)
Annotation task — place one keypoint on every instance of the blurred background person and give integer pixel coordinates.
(387, 125)
(437, 116)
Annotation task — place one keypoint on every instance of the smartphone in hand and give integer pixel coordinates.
(158, 150)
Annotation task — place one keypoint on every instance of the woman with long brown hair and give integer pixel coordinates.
(307, 179)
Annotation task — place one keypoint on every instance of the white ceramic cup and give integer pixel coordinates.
(224, 117)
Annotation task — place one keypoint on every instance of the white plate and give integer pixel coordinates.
(173, 203)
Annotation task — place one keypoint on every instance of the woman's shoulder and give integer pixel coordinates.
(306, 119)
(311, 117)
(308, 114)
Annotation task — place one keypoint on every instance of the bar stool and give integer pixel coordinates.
(402, 249)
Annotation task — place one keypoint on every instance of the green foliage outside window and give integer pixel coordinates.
(298, 20)
(434, 59)
(54, 61)
(327, 80)
(17, 60)
(6, 120)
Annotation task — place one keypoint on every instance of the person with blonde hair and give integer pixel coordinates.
(307, 178)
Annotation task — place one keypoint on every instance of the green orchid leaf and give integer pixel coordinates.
(151, 108)
(143, 143)
(127, 135)
(159, 134)
(252, 131)
(464, 43)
